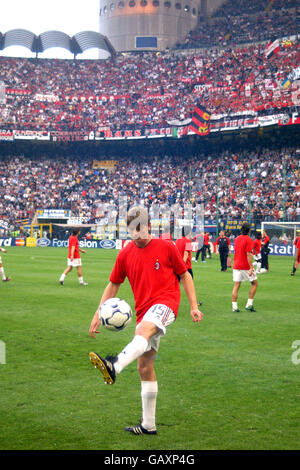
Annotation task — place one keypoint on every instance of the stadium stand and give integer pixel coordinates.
(143, 90)
(29, 184)
(137, 91)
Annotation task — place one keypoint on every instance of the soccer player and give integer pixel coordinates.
(184, 246)
(4, 278)
(151, 266)
(223, 243)
(243, 269)
(256, 252)
(74, 260)
(206, 244)
(297, 255)
(264, 252)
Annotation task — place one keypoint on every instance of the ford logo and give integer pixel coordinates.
(43, 242)
(107, 244)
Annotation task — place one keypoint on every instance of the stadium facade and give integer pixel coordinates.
(132, 25)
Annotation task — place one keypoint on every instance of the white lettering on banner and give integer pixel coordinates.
(60, 243)
(5, 241)
(88, 244)
(118, 244)
(284, 250)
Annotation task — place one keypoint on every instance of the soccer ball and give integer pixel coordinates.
(115, 314)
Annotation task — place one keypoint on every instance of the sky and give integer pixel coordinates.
(38, 16)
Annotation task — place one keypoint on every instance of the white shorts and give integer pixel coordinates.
(162, 316)
(257, 258)
(75, 263)
(241, 275)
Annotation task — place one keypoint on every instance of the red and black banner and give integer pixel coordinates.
(200, 121)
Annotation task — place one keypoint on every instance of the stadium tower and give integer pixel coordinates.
(132, 25)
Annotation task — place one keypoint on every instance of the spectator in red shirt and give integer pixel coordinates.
(151, 266)
(243, 269)
(74, 260)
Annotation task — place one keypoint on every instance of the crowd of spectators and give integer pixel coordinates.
(265, 182)
(144, 90)
(239, 22)
(238, 7)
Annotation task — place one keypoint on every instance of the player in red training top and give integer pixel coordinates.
(74, 260)
(256, 252)
(243, 269)
(151, 266)
(206, 244)
(184, 246)
(4, 278)
(297, 255)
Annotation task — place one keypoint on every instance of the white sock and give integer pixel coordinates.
(258, 267)
(2, 274)
(234, 306)
(62, 277)
(249, 303)
(80, 280)
(132, 351)
(149, 393)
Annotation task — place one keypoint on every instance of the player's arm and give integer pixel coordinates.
(109, 292)
(250, 258)
(3, 249)
(81, 251)
(188, 285)
(185, 256)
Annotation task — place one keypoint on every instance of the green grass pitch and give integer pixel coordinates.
(226, 383)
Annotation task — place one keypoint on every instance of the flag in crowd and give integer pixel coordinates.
(272, 48)
(200, 121)
(294, 75)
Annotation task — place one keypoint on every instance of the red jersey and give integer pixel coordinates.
(73, 241)
(184, 244)
(243, 244)
(151, 272)
(266, 240)
(296, 240)
(206, 239)
(256, 246)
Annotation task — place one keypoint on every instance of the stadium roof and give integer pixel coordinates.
(76, 44)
